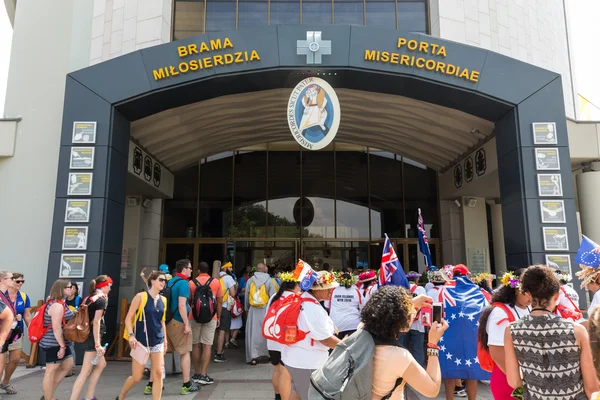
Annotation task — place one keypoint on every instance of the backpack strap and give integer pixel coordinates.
(23, 296)
(575, 308)
(509, 315)
(359, 296)
(413, 288)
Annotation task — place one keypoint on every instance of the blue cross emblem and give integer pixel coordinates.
(313, 47)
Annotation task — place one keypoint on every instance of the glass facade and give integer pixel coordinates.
(195, 17)
(342, 192)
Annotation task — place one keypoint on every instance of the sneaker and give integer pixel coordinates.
(148, 389)
(196, 378)
(228, 345)
(220, 358)
(460, 392)
(189, 389)
(206, 380)
(486, 382)
(233, 344)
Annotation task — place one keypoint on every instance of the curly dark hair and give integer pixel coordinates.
(505, 295)
(542, 283)
(388, 312)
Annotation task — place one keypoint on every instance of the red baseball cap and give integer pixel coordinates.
(460, 269)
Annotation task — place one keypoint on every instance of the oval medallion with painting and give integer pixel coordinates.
(313, 113)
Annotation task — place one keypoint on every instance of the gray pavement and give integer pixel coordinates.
(234, 380)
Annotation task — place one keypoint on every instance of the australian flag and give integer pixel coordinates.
(588, 253)
(391, 271)
(423, 243)
(463, 305)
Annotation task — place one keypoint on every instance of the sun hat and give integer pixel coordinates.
(588, 275)
(434, 275)
(367, 276)
(325, 280)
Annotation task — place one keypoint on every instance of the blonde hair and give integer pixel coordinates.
(4, 274)
(594, 330)
(57, 289)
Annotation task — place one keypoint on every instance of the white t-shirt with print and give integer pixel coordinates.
(310, 353)
(571, 298)
(229, 283)
(494, 330)
(595, 302)
(345, 308)
(367, 293)
(434, 293)
(417, 291)
(271, 344)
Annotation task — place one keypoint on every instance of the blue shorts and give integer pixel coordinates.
(52, 354)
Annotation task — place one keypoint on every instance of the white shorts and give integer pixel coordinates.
(159, 348)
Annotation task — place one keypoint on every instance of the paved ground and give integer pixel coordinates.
(234, 380)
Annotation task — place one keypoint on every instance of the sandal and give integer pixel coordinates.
(253, 362)
(8, 388)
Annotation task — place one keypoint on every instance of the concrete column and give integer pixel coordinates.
(453, 249)
(498, 239)
(476, 244)
(588, 191)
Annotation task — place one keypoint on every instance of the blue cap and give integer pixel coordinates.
(164, 268)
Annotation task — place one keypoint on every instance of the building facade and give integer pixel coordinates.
(162, 129)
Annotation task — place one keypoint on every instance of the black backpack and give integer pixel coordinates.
(203, 302)
(167, 293)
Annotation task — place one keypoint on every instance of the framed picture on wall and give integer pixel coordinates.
(547, 159)
(556, 238)
(82, 158)
(84, 132)
(72, 266)
(75, 238)
(78, 210)
(553, 211)
(549, 185)
(559, 261)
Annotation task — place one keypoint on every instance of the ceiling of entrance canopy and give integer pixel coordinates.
(431, 134)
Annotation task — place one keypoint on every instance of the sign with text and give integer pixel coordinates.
(549, 185)
(547, 159)
(72, 266)
(544, 133)
(555, 238)
(78, 210)
(84, 132)
(80, 184)
(82, 158)
(553, 211)
(559, 261)
(75, 238)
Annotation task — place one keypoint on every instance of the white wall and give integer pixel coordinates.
(122, 26)
(533, 31)
(45, 34)
(476, 233)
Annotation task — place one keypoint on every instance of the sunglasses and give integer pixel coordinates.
(69, 287)
(163, 280)
(20, 281)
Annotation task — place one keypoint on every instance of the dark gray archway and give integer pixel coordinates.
(503, 90)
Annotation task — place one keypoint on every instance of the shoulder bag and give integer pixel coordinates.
(141, 353)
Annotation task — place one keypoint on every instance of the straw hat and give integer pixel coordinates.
(588, 275)
(325, 280)
(367, 276)
(436, 276)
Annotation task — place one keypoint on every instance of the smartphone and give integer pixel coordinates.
(437, 312)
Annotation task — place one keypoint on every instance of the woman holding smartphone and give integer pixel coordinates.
(149, 310)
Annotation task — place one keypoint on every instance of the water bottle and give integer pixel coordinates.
(164, 375)
(97, 356)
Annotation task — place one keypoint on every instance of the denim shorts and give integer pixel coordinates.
(52, 354)
(159, 348)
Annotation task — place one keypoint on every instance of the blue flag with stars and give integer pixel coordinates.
(463, 305)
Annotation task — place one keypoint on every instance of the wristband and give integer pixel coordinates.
(433, 346)
(63, 347)
(97, 346)
(433, 352)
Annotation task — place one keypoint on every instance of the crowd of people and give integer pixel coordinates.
(526, 337)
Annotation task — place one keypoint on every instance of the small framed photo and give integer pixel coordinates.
(544, 133)
(78, 210)
(549, 185)
(553, 211)
(84, 132)
(75, 238)
(556, 238)
(72, 266)
(80, 184)
(547, 159)
(82, 157)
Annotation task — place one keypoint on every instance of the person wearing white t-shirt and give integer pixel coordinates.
(416, 334)
(590, 278)
(281, 379)
(345, 306)
(302, 358)
(492, 325)
(368, 286)
(229, 287)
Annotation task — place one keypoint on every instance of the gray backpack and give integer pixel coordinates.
(348, 372)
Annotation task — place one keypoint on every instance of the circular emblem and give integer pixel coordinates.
(313, 113)
(314, 47)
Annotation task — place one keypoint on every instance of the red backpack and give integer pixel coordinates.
(36, 329)
(281, 321)
(486, 362)
(566, 312)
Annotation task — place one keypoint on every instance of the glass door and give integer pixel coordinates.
(335, 254)
(274, 253)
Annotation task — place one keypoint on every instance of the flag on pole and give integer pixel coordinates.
(588, 253)
(391, 271)
(423, 244)
(305, 275)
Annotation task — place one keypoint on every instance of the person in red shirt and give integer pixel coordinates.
(203, 334)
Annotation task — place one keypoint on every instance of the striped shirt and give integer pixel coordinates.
(49, 340)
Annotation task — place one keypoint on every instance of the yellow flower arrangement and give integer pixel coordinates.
(287, 277)
(511, 280)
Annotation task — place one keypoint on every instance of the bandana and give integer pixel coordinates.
(226, 265)
(182, 276)
(107, 282)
